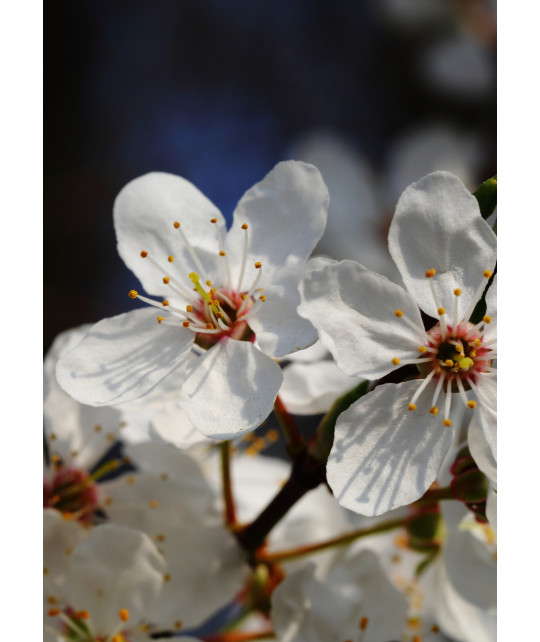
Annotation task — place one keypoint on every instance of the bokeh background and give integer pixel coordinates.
(376, 93)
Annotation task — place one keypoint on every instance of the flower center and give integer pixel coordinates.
(211, 310)
(72, 492)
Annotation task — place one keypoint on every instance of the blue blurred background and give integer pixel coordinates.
(377, 93)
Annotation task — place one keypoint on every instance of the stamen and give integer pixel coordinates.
(487, 275)
(422, 387)
(431, 273)
(248, 295)
(175, 285)
(455, 315)
(395, 361)
(462, 392)
(191, 250)
(253, 308)
(123, 614)
(244, 257)
(447, 402)
(440, 310)
(437, 390)
(411, 324)
(223, 254)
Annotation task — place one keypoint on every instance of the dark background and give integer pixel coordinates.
(218, 90)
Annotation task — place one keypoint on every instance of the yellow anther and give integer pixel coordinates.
(153, 503)
(53, 612)
(362, 625)
(160, 537)
(421, 349)
(459, 348)
(435, 628)
(164, 477)
(107, 501)
(212, 290)
(166, 280)
(471, 404)
(209, 326)
(431, 273)
(222, 253)
(185, 324)
(412, 406)
(216, 302)
(395, 361)
(170, 258)
(165, 303)
(465, 363)
(82, 615)
(176, 224)
(132, 294)
(258, 265)
(398, 313)
(272, 435)
(51, 599)
(56, 459)
(449, 363)
(178, 624)
(487, 274)
(98, 428)
(118, 637)
(478, 342)
(472, 353)
(244, 226)
(487, 319)
(144, 254)
(52, 436)
(219, 315)
(243, 297)
(208, 283)
(457, 292)
(166, 577)
(123, 614)
(441, 311)
(46, 572)
(194, 277)
(130, 480)
(447, 423)
(434, 410)
(262, 298)
(213, 220)
(160, 319)
(189, 308)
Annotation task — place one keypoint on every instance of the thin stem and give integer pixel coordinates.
(240, 636)
(340, 540)
(228, 499)
(295, 441)
(435, 495)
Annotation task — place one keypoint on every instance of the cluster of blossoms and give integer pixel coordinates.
(163, 517)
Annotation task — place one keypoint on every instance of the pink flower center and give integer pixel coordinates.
(72, 492)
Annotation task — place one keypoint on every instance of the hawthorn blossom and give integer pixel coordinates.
(389, 445)
(229, 297)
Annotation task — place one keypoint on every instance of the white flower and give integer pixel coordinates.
(390, 444)
(211, 282)
(355, 601)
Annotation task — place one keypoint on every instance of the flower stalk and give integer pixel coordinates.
(295, 442)
(228, 498)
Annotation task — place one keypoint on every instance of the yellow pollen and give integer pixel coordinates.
(97, 428)
(213, 220)
(398, 313)
(189, 308)
(457, 292)
(51, 599)
(132, 294)
(153, 503)
(435, 628)
(471, 404)
(144, 254)
(209, 326)
(53, 612)
(170, 258)
(441, 311)
(166, 577)
(219, 315)
(465, 363)
(55, 458)
(472, 353)
(82, 615)
(362, 625)
(447, 423)
(208, 283)
(431, 273)
(262, 298)
(160, 319)
(395, 361)
(185, 324)
(421, 349)
(487, 319)
(244, 226)
(449, 363)
(487, 274)
(123, 614)
(166, 280)
(272, 435)
(160, 537)
(222, 253)
(417, 638)
(258, 265)
(434, 410)
(118, 638)
(176, 224)
(412, 406)
(165, 303)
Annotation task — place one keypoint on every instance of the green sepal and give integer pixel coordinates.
(486, 195)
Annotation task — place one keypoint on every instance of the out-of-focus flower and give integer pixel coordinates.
(389, 445)
(229, 296)
(354, 601)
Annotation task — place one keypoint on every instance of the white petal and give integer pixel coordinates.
(481, 451)
(486, 411)
(173, 425)
(59, 537)
(354, 311)
(311, 388)
(279, 328)
(144, 213)
(491, 509)
(207, 569)
(384, 455)
(114, 568)
(230, 389)
(437, 225)
(286, 214)
(316, 352)
(490, 329)
(122, 358)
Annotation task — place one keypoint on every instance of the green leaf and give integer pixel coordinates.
(486, 195)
